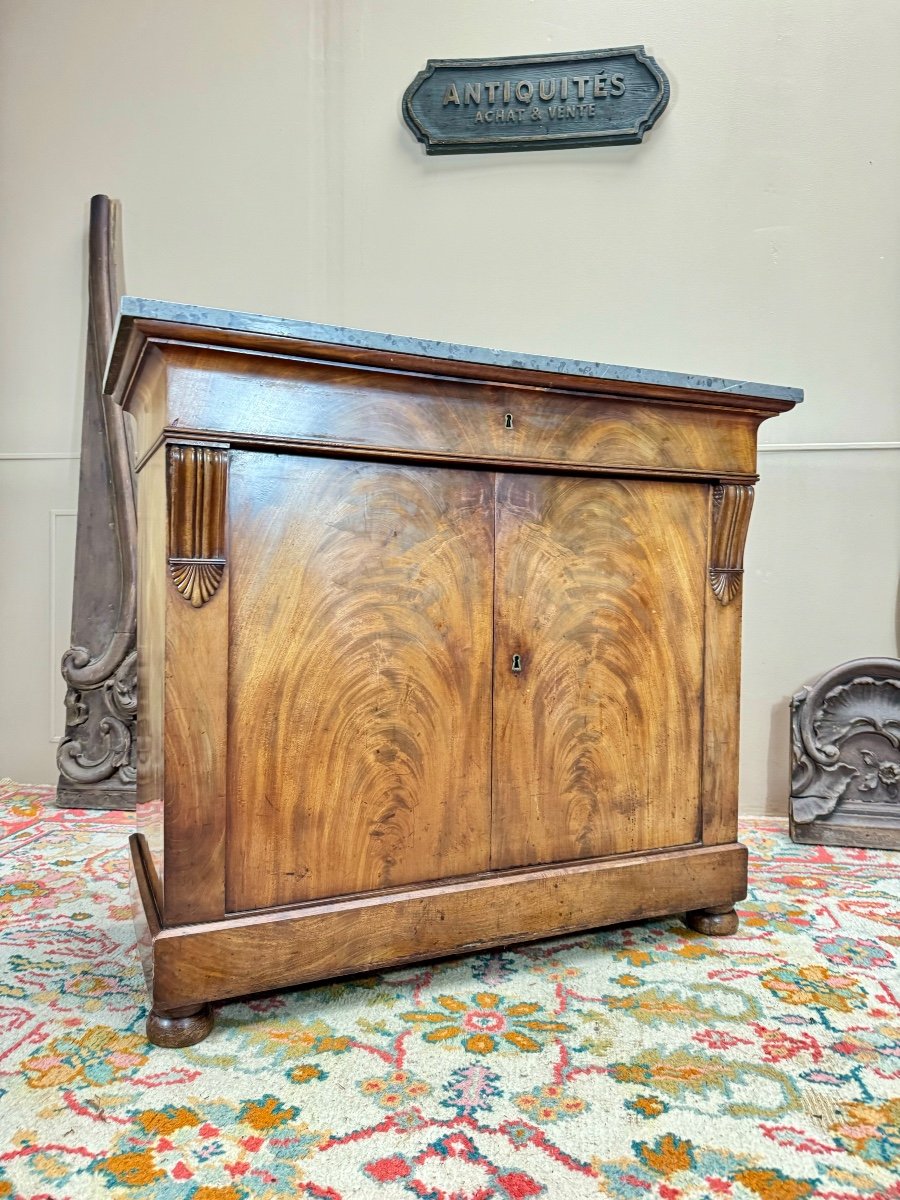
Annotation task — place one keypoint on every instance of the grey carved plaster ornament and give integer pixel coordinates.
(845, 732)
(96, 756)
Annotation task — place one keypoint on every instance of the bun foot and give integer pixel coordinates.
(718, 921)
(179, 1027)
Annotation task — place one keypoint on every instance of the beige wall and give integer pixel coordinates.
(262, 162)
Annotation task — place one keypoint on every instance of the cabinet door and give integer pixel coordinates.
(360, 676)
(600, 588)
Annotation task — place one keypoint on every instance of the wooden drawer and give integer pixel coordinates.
(431, 416)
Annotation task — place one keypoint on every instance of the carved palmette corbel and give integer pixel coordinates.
(732, 503)
(197, 481)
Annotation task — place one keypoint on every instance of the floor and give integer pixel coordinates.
(642, 1061)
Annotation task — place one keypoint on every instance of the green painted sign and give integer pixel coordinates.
(537, 102)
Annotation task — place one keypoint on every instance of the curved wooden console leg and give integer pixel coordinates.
(718, 921)
(179, 1027)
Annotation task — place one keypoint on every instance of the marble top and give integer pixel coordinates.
(133, 307)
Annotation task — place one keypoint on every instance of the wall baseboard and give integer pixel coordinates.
(39, 456)
(776, 447)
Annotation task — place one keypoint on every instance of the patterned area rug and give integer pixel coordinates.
(636, 1062)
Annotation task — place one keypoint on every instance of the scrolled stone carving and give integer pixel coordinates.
(121, 690)
(732, 503)
(845, 734)
(76, 709)
(105, 749)
(116, 756)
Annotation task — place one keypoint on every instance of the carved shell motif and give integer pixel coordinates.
(725, 584)
(833, 724)
(863, 704)
(195, 579)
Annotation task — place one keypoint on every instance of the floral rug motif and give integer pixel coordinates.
(637, 1062)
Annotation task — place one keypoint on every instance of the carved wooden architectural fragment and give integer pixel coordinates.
(845, 733)
(732, 503)
(96, 755)
(197, 480)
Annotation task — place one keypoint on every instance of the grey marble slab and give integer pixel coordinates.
(133, 307)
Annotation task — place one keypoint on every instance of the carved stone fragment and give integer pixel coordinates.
(732, 503)
(845, 732)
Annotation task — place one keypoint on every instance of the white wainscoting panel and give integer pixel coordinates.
(38, 498)
(63, 522)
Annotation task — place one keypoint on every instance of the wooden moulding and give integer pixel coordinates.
(147, 323)
(191, 964)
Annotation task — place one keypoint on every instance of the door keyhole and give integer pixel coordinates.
(517, 662)
(508, 421)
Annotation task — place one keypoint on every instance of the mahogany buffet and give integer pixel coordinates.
(439, 648)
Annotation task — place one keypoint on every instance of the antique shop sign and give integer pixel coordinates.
(538, 102)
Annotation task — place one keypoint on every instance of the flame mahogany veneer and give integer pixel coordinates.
(438, 649)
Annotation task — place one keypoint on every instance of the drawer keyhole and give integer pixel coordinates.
(508, 421)
(517, 662)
